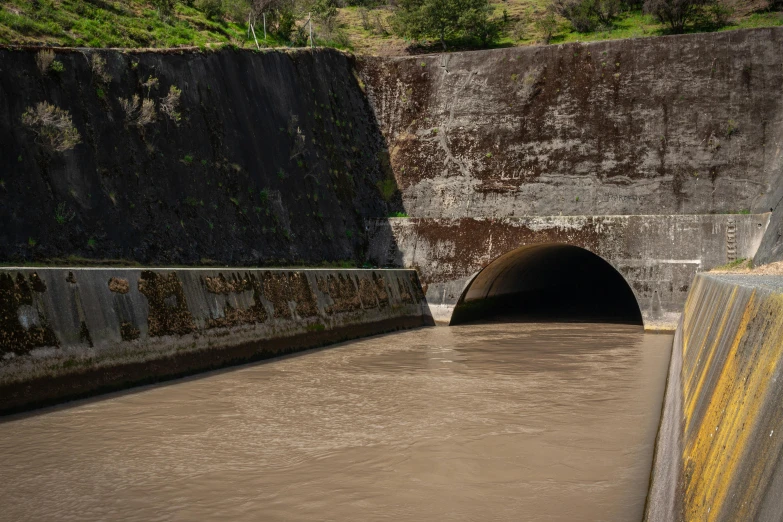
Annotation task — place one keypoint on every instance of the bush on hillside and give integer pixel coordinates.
(281, 16)
(212, 9)
(165, 7)
(588, 15)
(677, 14)
(445, 20)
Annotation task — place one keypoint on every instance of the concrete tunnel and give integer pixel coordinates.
(548, 282)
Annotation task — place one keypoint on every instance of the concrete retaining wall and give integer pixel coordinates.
(66, 333)
(720, 447)
(657, 255)
(688, 124)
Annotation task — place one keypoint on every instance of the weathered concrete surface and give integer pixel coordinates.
(728, 444)
(771, 248)
(686, 124)
(66, 333)
(657, 255)
(276, 159)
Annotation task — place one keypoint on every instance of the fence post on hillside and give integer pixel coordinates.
(310, 21)
(258, 47)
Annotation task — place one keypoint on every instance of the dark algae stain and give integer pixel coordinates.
(129, 332)
(18, 300)
(169, 312)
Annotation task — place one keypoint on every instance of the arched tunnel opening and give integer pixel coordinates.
(548, 282)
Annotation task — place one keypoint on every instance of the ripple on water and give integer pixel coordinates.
(496, 421)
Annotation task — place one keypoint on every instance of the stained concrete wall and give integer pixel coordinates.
(687, 124)
(657, 255)
(67, 333)
(275, 160)
(720, 448)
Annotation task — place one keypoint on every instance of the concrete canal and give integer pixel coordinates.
(486, 421)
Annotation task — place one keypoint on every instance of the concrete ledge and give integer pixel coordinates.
(720, 449)
(68, 333)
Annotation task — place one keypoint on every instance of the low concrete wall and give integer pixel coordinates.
(720, 449)
(66, 333)
(657, 255)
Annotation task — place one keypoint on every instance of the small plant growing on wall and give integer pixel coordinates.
(170, 103)
(45, 61)
(150, 84)
(138, 112)
(731, 128)
(387, 188)
(99, 71)
(62, 214)
(53, 126)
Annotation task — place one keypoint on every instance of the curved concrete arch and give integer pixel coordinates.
(549, 281)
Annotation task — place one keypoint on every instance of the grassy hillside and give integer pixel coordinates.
(370, 33)
(137, 23)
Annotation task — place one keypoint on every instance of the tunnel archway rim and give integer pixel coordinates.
(510, 253)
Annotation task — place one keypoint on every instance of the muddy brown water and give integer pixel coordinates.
(478, 422)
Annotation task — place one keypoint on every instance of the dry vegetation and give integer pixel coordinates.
(53, 126)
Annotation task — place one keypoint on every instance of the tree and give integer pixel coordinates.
(445, 19)
(676, 13)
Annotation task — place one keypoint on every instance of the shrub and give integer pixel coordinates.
(57, 67)
(588, 15)
(547, 26)
(98, 66)
(676, 13)
(53, 126)
(237, 10)
(138, 112)
(44, 59)
(212, 9)
(165, 7)
(720, 14)
(150, 84)
(170, 103)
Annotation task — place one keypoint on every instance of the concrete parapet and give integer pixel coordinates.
(720, 447)
(66, 333)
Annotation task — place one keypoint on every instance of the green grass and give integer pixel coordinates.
(137, 24)
(739, 264)
(115, 23)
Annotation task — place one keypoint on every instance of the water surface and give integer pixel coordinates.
(529, 422)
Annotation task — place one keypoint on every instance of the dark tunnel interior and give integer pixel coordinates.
(548, 282)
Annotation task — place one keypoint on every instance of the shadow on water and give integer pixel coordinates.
(100, 396)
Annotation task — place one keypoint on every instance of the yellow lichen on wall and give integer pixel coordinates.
(732, 349)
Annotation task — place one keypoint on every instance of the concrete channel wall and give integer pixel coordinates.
(657, 255)
(720, 446)
(67, 333)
